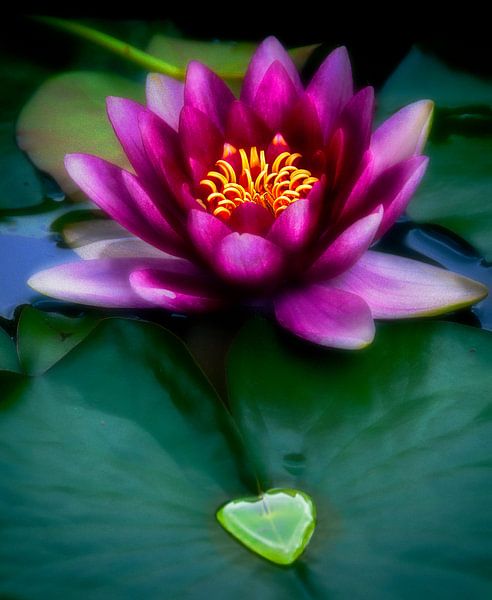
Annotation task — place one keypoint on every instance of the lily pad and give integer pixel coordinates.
(8, 355)
(68, 114)
(457, 190)
(45, 338)
(112, 467)
(393, 444)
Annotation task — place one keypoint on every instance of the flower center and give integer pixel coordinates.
(274, 186)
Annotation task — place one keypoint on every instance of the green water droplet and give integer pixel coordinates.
(276, 525)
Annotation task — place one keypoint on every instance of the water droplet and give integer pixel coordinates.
(276, 525)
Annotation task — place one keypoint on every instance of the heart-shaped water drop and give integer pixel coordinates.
(276, 525)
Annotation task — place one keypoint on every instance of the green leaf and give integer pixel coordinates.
(20, 185)
(45, 338)
(457, 190)
(393, 444)
(68, 114)
(8, 354)
(112, 467)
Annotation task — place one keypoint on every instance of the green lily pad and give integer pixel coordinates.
(68, 114)
(8, 355)
(277, 525)
(393, 443)
(20, 185)
(45, 338)
(457, 189)
(112, 467)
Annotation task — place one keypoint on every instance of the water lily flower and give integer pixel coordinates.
(272, 199)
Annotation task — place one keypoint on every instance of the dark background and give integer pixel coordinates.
(377, 37)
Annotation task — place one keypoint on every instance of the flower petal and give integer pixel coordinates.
(403, 135)
(176, 289)
(269, 51)
(249, 260)
(95, 282)
(397, 288)
(206, 232)
(275, 97)
(201, 141)
(295, 226)
(165, 97)
(124, 116)
(347, 248)
(163, 149)
(120, 195)
(244, 129)
(331, 88)
(251, 218)
(396, 206)
(326, 316)
(207, 92)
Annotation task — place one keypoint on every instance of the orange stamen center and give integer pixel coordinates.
(274, 186)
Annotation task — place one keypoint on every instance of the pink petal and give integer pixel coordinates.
(397, 205)
(398, 288)
(295, 226)
(205, 91)
(302, 127)
(251, 218)
(244, 129)
(268, 52)
(121, 196)
(249, 260)
(124, 116)
(347, 248)
(165, 97)
(403, 135)
(326, 316)
(182, 290)
(163, 149)
(206, 233)
(331, 88)
(201, 140)
(356, 124)
(102, 282)
(275, 97)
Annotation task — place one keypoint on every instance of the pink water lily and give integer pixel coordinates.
(271, 199)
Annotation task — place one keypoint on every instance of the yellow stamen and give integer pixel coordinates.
(274, 187)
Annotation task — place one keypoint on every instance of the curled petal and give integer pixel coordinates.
(275, 97)
(331, 88)
(249, 260)
(347, 248)
(295, 226)
(124, 115)
(165, 97)
(119, 194)
(207, 92)
(206, 233)
(201, 140)
(244, 128)
(176, 289)
(250, 217)
(104, 282)
(326, 316)
(403, 135)
(398, 288)
(268, 52)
